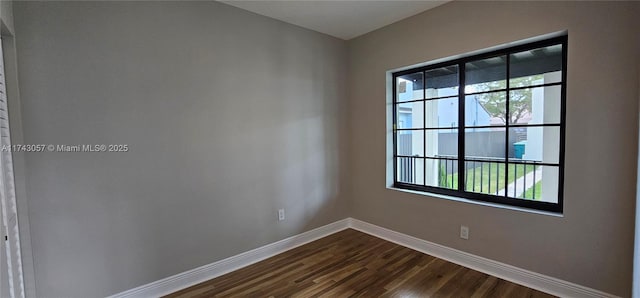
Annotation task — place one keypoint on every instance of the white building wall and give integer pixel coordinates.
(551, 141)
(543, 144)
(533, 149)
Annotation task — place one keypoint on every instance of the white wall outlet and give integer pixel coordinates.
(280, 214)
(464, 232)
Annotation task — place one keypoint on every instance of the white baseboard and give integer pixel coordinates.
(513, 274)
(195, 276)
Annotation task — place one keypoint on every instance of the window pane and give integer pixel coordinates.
(484, 177)
(533, 182)
(442, 81)
(442, 173)
(410, 114)
(535, 67)
(409, 87)
(410, 142)
(486, 74)
(535, 105)
(442, 113)
(485, 143)
(540, 144)
(442, 143)
(485, 109)
(410, 170)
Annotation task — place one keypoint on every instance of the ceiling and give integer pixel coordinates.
(342, 19)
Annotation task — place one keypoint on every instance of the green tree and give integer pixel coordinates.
(519, 100)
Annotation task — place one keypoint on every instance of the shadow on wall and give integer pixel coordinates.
(228, 117)
(310, 144)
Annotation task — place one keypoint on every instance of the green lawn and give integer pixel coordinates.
(528, 194)
(482, 183)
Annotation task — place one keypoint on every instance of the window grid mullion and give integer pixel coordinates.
(461, 124)
(424, 125)
(394, 127)
(506, 132)
(514, 88)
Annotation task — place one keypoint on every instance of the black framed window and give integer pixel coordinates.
(488, 127)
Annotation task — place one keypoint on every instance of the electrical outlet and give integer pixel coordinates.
(280, 214)
(464, 232)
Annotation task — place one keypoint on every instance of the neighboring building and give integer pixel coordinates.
(444, 112)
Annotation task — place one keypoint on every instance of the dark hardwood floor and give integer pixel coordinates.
(352, 263)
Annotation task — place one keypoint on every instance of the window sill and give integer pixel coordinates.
(489, 204)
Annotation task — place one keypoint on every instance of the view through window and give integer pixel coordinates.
(488, 127)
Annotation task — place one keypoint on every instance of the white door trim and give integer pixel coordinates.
(8, 202)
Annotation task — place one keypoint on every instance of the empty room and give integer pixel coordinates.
(319, 148)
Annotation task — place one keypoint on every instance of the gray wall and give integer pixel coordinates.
(229, 116)
(636, 251)
(592, 244)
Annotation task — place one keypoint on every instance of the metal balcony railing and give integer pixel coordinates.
(482, 174)
(407, 169)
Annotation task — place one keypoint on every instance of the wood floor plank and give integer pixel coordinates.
(354, 264)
